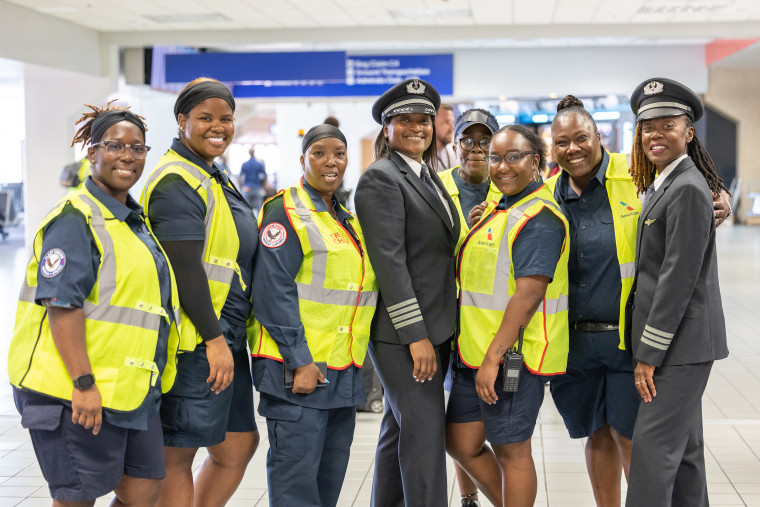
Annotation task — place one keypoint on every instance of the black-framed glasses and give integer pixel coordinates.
(511, 158)
(468, 143)
(116, 148)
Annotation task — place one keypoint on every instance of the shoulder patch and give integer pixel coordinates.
(53, 263)
(273, 235)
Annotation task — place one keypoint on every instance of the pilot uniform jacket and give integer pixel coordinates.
(411, 243)
(675, 323)
(411, 240)
(674, 309)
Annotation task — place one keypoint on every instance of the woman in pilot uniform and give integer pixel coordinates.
(676, 326)
(98, 309)
(411, 227)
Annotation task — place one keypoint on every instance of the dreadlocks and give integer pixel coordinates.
(643, 170)
(84, 134)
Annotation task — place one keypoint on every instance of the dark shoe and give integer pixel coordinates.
(468, 502)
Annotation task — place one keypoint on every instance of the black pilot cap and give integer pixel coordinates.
(406, 97)
(661, 97)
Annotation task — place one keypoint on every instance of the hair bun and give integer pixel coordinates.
(569, 101)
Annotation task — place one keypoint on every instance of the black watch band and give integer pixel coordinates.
(84, 382)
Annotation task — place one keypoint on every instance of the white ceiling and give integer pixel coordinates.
(182, 15)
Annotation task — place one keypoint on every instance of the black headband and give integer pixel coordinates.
(197, 93)
(107, 119)
(320, 132)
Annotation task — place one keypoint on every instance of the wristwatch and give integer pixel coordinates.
(84, 382)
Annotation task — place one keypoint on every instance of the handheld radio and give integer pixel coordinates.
(512, 365)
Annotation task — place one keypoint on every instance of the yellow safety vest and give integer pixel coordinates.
(626, 208)
(221, 243)
(494, 194)
(123, 313)
(337, 289)
(487, 280)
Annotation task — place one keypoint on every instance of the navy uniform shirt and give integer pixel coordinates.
(275, 297)
(177, 213)
(593, 266)
(69, 288)
(253, 173)
(538, 246)
(470, 195)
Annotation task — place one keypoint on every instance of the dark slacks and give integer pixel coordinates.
(410, 461)
(668, 459)
(308, 452)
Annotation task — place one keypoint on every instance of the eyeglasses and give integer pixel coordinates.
(116, 148)
(510, 158)
(468, 143)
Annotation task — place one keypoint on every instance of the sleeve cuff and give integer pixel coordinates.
(297, 357)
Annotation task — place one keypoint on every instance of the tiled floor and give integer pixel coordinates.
(731, 410)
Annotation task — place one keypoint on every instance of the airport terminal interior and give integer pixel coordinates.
(292, 63)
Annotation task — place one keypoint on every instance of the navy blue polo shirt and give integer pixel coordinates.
(470, 195)
(275, 298)
(71, 286)
(593, 266)
(177, 213)
(538, 246)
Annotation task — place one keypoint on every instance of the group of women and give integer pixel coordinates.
(148, 309)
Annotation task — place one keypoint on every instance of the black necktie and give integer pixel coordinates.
(427, 180)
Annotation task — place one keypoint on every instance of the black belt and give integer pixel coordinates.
(594, 327)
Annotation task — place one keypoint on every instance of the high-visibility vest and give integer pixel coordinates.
(123, 313)
(337, 289)
(221, 243)
(487, 281)
(626, 208)
(494, 194)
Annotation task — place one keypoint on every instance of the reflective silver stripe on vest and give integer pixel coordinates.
(27, 293)
(316, 291)
(214, 272)
(317, 242)
(499, 300)
(627, 270)
(104, 311)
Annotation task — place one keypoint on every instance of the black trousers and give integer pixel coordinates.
(410, 461)
(668, 454)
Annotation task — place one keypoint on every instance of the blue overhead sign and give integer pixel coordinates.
(363, 76)
(312, 74)
(242, 67)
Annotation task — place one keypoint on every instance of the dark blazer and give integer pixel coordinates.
(411, 242)
(674, 309)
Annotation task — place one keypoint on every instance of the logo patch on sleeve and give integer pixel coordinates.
(273, 235)
(52, 263)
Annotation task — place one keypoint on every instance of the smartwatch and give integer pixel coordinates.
(84, 382)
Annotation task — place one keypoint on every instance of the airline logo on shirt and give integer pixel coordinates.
(626, 206)
(53, 263)
(273, 235)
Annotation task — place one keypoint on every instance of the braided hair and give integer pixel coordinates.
(571, 104)
(643, 170)
(84, 133)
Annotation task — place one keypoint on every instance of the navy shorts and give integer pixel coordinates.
(193, 416)
(598, 387)
(513, 417)
(80, 466)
